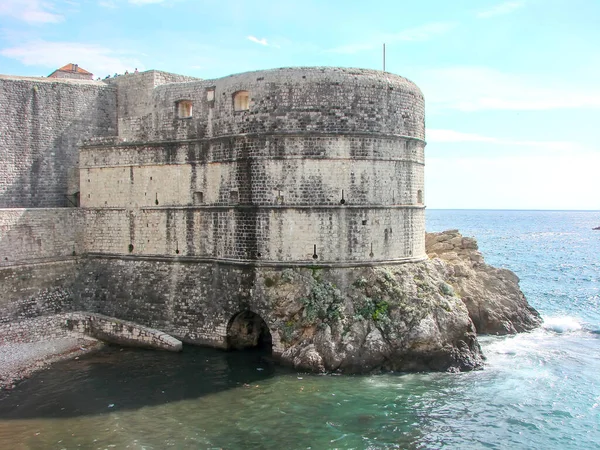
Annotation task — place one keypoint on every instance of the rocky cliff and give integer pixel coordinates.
(495, 302)
(410, 317)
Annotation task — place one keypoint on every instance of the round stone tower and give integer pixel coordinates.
(328, 163)
(293, 166)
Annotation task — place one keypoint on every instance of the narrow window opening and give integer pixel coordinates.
(241, 101)
(234, 197)
(420, 197)
(198, 198)
(210, 95)
(184, 109)
(315, 256)
(130, 248)
(343, 200)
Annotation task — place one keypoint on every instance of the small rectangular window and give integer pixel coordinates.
(234, 197)
(210, 95)
(184, 109)
(198, 198)
(241, 101)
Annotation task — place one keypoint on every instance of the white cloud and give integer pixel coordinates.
(415, 34)
(51, 55)
(30, 11)
(500, 9)
(262, 41)
(561, 181)
(445, 136)
(481, 88)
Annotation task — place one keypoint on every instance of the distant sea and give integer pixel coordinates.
(539, 390)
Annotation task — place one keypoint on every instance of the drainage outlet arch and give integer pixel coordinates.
(247, 330)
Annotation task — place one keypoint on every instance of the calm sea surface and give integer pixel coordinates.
(538, 390)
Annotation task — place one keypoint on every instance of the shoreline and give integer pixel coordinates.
(19, 361)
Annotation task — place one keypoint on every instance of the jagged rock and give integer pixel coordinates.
(402, 318)
(411, 317)
(495, 302)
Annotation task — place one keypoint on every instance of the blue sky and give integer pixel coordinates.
(512, 88)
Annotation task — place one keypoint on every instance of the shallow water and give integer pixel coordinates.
(538, 390)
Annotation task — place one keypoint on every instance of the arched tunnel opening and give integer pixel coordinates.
(247, 330)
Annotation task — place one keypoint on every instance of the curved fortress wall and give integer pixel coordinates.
(287, 166)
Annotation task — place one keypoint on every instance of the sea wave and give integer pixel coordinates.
(562, 324)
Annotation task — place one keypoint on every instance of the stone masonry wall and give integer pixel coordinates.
(309, 99)
(42, 121)
(283, 236)
(38, 261)
(192, 301)
(29, 291)
(135, 98)
(180, 214)
(291, 170)
(325, 165)
(39, 235)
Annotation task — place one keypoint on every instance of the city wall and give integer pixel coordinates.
(183, 208)
(42, 122)
(39, 250)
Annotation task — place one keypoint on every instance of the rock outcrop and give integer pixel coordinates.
(411, 317)
(495, 302)
(403, 318)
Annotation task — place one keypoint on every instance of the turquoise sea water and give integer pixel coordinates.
(538, 390)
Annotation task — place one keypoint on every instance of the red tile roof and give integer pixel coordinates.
(71, 68)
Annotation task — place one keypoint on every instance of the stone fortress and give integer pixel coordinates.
(175, 202)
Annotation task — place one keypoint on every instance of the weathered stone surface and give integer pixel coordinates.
(42, 121)
(496, 303)
(402, 318)
(121, 332)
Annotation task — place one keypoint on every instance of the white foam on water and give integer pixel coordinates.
(562, 324)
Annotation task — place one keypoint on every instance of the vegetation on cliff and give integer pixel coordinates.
(410, 317)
